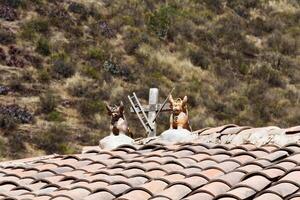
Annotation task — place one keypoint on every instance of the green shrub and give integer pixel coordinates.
(48, 102)
(3, 148)
(43, 47)
(284, 44)
(79, 89)
(27, 76)
(198, 58)
(112, 67)
(96, 53)
(16, 144)
(16, 84)
(27, 33)
(242, 8)
(78, 8)
(160, 20)
(6, 37)
(54, 116)
(91, 72)
(13, 3)
(88, 107)
(62, 69)
(130, 45)
(39, 25)
(30, 29)
(265, 72)
(60, 18)
(8, 122)
(214, 5)
(54, 139)
(44, 76)
(243, 68)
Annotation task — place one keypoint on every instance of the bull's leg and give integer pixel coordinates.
(129, 133)
(171, 121)
(111, 129)
(189, 127)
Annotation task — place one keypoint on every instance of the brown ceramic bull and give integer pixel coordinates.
(118, 123)
(179, 116)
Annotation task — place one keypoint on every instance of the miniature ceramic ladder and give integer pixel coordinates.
(139, 110)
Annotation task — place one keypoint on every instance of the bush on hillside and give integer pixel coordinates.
(55, 139)
(44, 76)
(60, 18)
(62, 69)
(112, 67)
(8, 122)
(80, 88)
(78, 8)
(48, 102)
(12, 3)
(30, 29)
(284, 44)
(7, 37)
(267, 73)
(91, 72)
(43, 47)
(199, 58)
(16, 84)
(89, 107)
(2, 55)
(160, 20)
(215, 5)
(96, 54)
(54, 116)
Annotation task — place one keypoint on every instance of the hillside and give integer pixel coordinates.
(60, 60)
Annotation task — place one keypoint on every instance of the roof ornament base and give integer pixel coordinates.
(177, 135)
(114, 141)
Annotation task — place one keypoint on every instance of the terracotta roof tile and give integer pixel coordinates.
(200, 195)
(162, 171)
(269, 196)
(176, 191)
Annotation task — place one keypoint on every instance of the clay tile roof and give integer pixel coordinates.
(234, 165)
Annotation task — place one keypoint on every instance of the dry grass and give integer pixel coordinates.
(239, 80)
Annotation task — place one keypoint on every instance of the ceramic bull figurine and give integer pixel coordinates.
(179, 117)
(118, 123)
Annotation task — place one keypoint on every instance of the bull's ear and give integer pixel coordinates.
(184, 101)
(108, 108)
(171, 100)
(121, 107)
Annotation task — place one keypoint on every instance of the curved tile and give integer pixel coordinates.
(100, 195)
(227, 166)
(231, 178)
(61, 197)
(192, 181)
(293, 176)
(292, 130)
(250, 168)
(217, 129)
(133, 194)
(175, 192)
(294, 147)
(256, 182)
(242, 192)
(199, 195)
(215, 188)
(155, 186)
(268, 196)
(212, 173)
(283, 189)
(118, 188)
(234, 130)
